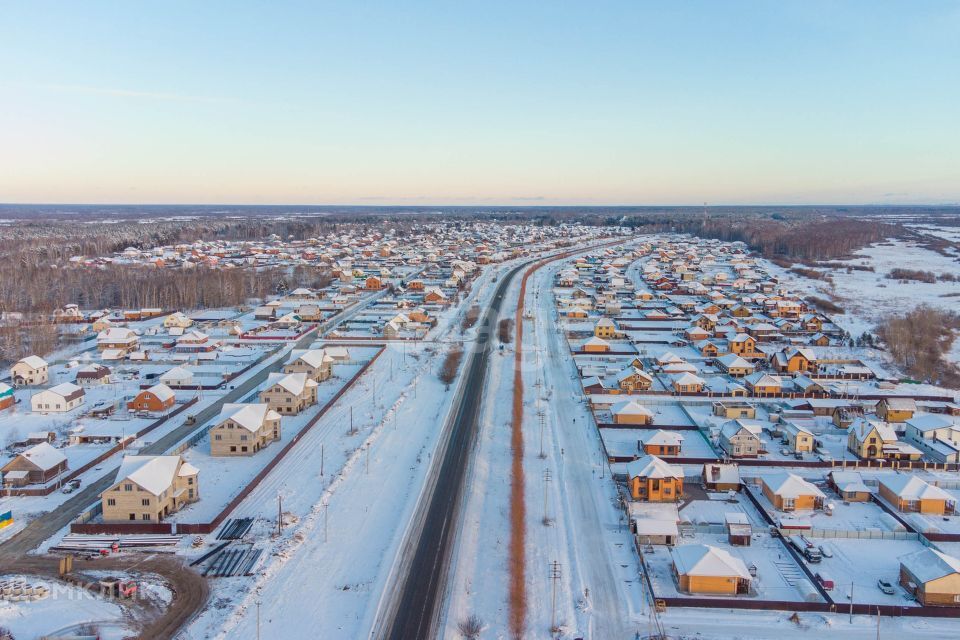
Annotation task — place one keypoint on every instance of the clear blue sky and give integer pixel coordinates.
(480, 102)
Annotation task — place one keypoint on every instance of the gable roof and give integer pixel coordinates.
(707, 560)
(44, 456)
(250, 416)
(790, 485)
(930, 564)
(154, 474)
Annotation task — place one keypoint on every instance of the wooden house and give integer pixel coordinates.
(37, 465)
(849, 486)
(718, 476)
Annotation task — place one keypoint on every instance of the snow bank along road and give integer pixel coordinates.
(413, 612)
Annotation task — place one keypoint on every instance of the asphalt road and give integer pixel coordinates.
(416, 607)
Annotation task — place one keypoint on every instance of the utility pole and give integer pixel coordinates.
(325, 519)
(366, 448)
(352, 430)
(554, 577)
(279, 514)
(542, 421)
(878, 623)
(321, 459)
(258, 620)
(851, 602)
(546, 483)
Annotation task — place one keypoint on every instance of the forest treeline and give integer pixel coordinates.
(919, 340)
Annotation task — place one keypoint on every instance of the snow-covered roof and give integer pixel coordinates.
(249, 416)
(907, 487)
(630, 408)
(34, 362)
(707, 560)
(312, 357)
(176, 374)
(651, 466)
(295, 383)
(44, 456)
(153, 474)
(790, 485)
(161, 391)
(930, 564)
(664, 438)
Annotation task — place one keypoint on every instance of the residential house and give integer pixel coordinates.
(911, 494)
(92, 375)
(734, 365)
(688, 383)
(61, 398)
(663, 443)
(727, 409)
(30, 371)
(740, 438)
(631, 412)
(936, 435)
(633, 379)
(316, 363)
(289, 393)
(764, 385)
(596, 345)
(149, 489)
(118, 339)
(155, 399)
(718, 476)
(709, 570)
(849, 485)
(606, 328)
(37, 465)
(7, 398)
(650, 479)
(789, 492)
(794, 360)
(932, 577)
(178, 321)
(244, 429)
(800, 439)
(896, 409)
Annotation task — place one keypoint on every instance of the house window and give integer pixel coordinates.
(233, 449)
(133, 516)
(190, 480)
(111, 502)
(128, 487)
(145, 502)
(218, 437)
(145, 516)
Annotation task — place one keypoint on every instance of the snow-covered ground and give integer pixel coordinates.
(868, 296)
(331, 563)
(599, 594)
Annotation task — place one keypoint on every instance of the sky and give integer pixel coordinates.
(480, 103)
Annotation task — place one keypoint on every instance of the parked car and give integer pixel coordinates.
(825, 551)
(885, 586)
(825, 581)
(812, 554)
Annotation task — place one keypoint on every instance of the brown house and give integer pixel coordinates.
(156, 399)
(37, 465)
